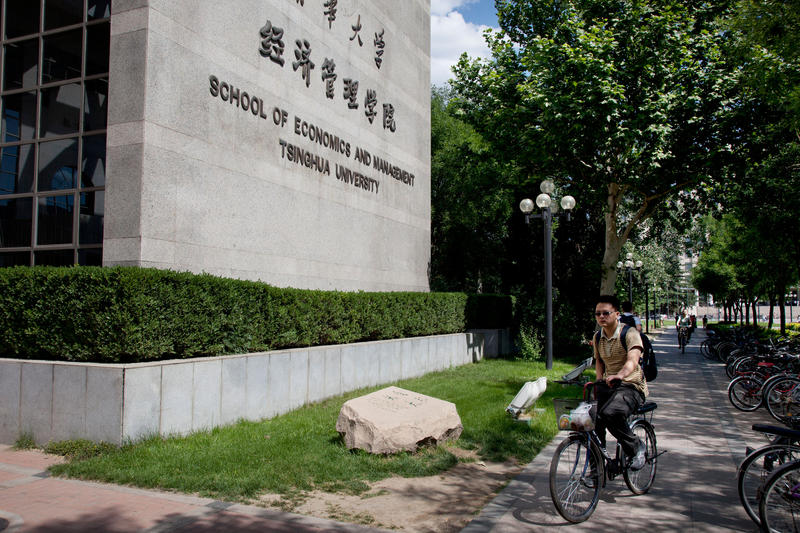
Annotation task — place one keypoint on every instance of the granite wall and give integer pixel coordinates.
(54, 401)
(271, 140)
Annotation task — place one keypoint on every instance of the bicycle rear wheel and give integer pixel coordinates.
(754, 471)
(745, 393)
(640, 481)
(576, 475)
(779, 509)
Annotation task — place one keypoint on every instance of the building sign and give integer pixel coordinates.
(332, 154)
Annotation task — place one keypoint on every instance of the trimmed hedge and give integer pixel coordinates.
(128, 314)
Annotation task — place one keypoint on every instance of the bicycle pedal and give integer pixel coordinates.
(614, 468)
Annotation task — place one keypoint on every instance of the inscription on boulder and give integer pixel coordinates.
(393, 419)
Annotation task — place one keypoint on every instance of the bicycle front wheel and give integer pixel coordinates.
(783, 400)
(576, 475)
(755, 469)
(640, 481)
(744, 392)
(779, 508)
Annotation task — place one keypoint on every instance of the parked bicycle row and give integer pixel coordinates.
(765, 375)
(762, 374)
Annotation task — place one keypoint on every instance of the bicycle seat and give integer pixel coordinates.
(650, 406)
(778, 430)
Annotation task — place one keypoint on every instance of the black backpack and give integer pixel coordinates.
(648, 359)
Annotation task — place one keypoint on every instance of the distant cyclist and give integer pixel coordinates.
(620, 386)
(685, 322)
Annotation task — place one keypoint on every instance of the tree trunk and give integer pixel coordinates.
(747, 312)
(771, 312)
(781, 302)
(614, 242)
(614, 238)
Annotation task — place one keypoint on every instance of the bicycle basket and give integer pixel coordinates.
(575, 414)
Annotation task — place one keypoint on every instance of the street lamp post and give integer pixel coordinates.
(646, 303)
(543, 201)
(630, 266)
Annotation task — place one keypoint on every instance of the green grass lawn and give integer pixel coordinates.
(302, 451)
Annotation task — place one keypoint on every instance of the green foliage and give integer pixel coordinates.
(620, 100)
(470, 207)
(79, 449)
(25, 442)
(716, 269)
(767, 40)
(530, 346)
(130, 314)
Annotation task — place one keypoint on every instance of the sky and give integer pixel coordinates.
(457, 26)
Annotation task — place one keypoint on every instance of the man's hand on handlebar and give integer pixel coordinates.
(612, 381)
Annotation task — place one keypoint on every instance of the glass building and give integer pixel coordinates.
(55, 64)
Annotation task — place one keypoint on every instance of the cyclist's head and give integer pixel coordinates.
(627, 307)
(609, 299)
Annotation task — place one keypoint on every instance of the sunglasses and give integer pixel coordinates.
(602, 313)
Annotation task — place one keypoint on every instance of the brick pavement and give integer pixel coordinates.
(33, 502)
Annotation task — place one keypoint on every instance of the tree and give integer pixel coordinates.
(480, 241)
(768, 42)
(763, 127)
(715, 272)
(619, 98)
(654, 243)
(467, 205)
(745, 260)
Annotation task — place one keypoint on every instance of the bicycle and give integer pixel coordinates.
(782, 399)
(746, 391)
(581, 466)
(683, 338)
(779, 508)
(760, 463)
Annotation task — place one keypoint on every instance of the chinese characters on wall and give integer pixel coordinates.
(305, 144)
(273, 47)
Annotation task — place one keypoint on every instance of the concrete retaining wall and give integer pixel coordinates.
(496, 342)
(116, 403)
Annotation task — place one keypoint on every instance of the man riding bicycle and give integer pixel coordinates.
(621, 387)
(685, 322)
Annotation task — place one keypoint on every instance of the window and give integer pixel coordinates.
(54, 111)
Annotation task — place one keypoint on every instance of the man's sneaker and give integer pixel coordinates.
(637, 463)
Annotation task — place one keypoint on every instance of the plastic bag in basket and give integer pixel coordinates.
(582, 417)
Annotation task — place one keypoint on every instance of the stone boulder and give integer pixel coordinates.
(393, 419)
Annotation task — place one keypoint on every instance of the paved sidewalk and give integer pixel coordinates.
(33, 502)
(695, 487)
